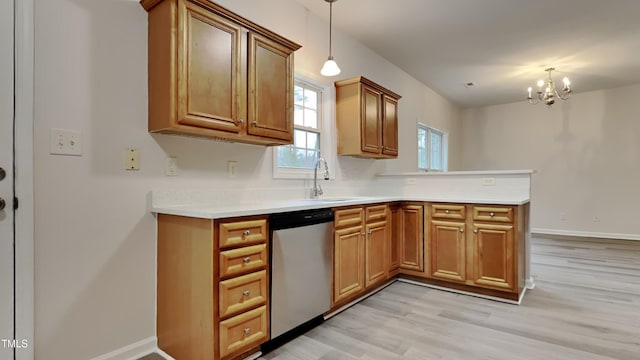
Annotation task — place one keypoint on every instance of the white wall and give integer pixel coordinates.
(95, 244)
(586, 151)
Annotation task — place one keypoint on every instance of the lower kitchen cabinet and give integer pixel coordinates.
(375, 253)
(477, 245)
(448, 250)
(495, 256)
(361, 239)
(348, 263)
(212, 286)
(410, 230)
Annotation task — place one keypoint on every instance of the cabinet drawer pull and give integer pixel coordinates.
(247, 331)
(446, 211)
(492, 214)
(246, 232)
(246, 260)
(246, 293)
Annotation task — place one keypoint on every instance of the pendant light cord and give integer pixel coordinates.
(330, 26)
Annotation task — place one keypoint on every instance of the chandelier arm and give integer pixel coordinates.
(565, 95)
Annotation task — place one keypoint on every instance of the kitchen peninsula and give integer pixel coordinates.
(460, 231)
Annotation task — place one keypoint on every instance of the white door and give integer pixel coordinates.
(7, 258)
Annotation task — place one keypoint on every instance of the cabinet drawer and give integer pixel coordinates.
(243, 233)
(242, 260)
(243, 292)
(448, 211)
(493, 213)
(243, 331)
(349, 217)
(375, 213)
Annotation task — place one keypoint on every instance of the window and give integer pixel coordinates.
(432, 149)
(298, 159)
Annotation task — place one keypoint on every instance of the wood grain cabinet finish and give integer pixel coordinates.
(213, 286)
(395, 234)
(215, 74)
(244, 331)
(360, 250)
(366, 119)
(376, 242)
(410, 219)
(495, 256)
(477, 245)
(448, 250)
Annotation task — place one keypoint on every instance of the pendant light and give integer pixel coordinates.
(330, 68)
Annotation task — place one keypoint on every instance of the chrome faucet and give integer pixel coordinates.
(316, 190)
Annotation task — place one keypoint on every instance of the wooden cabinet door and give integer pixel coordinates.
(447, 249)
(390, 127)
(411, 241)
(209, 66)
(375, 253)
(395, 234)
(348, 263)
(270, 92)
(494, 256)
(371, 122)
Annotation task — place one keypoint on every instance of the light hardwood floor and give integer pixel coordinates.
(586, 306)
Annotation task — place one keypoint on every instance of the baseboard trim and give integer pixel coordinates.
(164, 354)
(482, 296)
(132, 351)
(350, 304)
(588, 234)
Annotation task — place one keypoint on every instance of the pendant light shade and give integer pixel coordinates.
(330, 67)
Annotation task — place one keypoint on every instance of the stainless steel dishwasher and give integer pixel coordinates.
(301, 253)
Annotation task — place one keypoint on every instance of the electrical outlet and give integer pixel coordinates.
(65, 142)
(232, 168)
(172, 166)
(596, 219)
(489, 181)
(132, 159)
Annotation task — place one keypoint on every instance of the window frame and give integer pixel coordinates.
(325, 130)
(444, 140)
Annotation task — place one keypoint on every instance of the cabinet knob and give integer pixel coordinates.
(246, 232)
(446, 211)
(254, 123)
(247, 331)
(363, 234)
(461, 230)
(240, 121)
(246, 260)
(492, 214)
(369, 232)
(475, 231)
(246, 293)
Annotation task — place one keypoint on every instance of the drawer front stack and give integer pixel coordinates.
(243, 285)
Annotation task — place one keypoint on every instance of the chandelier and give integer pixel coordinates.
(548, 93)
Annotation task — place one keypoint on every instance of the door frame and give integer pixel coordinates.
(24, 216)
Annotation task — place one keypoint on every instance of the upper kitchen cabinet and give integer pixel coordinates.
(367, 119)
(214, 74)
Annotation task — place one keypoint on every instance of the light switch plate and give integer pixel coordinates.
(65, 142)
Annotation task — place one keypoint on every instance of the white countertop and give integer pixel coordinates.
(462, 173)
(219, 210)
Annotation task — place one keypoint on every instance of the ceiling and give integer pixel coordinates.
(502, 46)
